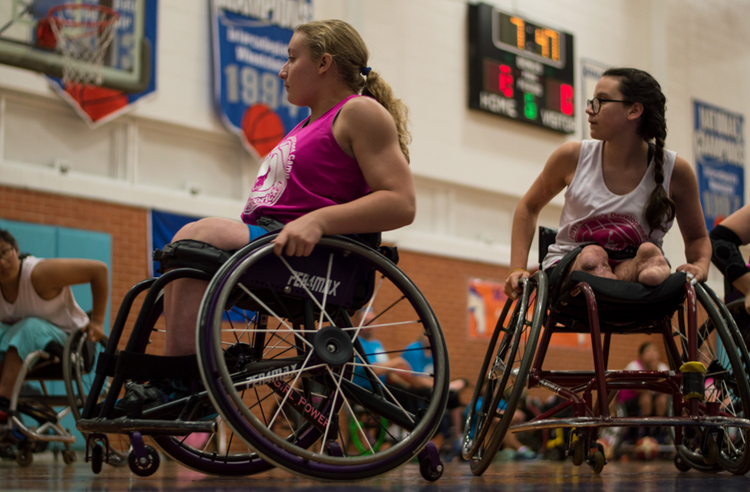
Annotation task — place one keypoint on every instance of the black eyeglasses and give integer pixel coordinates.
(6, 253)
(596, 103)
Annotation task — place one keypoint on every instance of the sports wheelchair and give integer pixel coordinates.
(38, 390)
(277, 351)
(707, 379)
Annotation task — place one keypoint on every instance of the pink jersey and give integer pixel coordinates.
(308, 170)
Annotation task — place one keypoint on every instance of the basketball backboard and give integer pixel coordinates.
(127, 63)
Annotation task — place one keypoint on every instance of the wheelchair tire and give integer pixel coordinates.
(722, 349)
(259, 370)
(506, 376)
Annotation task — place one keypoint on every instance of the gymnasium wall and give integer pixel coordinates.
(173, 154)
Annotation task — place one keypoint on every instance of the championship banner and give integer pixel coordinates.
(98, 105)
(484, 304)
(250, 41)
(720, 160)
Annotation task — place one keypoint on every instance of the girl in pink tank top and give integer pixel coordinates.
(344, 170)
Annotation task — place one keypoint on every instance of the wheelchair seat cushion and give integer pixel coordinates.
(622, 303)
(188, 253)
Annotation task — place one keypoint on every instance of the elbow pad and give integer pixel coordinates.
(726, 253)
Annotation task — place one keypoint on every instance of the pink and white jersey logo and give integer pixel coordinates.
(272, 176)
(612, 231)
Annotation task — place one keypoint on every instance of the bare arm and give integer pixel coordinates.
(50, 276)
(684, 191)
(558, 172)
(366, 131)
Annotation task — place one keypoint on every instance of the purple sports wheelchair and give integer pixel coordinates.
(273, 383)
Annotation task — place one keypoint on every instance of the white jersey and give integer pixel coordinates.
(592, 213)
(62, 310)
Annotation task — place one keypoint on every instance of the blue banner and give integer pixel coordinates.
(720, 160)
(250, 41)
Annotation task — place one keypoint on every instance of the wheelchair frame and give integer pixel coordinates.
(46, 367)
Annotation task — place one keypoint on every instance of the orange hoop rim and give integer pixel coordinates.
(112, 13)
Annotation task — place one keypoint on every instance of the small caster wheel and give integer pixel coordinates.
(681, 464)
(7, 453)
(577, 452)
(711, 452)
(145, 466)
(425, 469)
(97, 457)
(24, 457)
(597, 462)
(69, 456)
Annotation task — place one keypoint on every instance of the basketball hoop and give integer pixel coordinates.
(83, 32)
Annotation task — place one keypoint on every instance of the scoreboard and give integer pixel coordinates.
(520, 69)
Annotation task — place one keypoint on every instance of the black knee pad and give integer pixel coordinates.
(726, 253)
(189, 253)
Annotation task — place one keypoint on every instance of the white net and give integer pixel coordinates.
(83, 33)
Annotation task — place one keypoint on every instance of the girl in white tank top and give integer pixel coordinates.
(617, 198)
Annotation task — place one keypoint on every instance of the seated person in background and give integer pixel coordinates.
(512, 448)
(376, 354)
(344, 170)
(419, 359)
(623, 193)
(37, 307)
(645, 403)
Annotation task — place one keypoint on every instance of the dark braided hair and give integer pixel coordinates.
(639, 86)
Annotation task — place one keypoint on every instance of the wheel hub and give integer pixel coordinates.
(333, 347)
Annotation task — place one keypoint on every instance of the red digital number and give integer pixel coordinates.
(566, 99)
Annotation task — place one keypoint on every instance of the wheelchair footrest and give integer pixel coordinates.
(145, 427)
(704, 421)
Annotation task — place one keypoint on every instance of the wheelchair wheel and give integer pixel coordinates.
(723, 352)
(287, 369)
(504, 375)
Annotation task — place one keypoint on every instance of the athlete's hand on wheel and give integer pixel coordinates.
(694, 272)
(95, 330)
(513, 282)
(298, 237)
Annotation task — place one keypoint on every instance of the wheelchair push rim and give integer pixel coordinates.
(326, 458)
(505, 375)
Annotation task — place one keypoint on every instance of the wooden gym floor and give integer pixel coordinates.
(48, 474)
